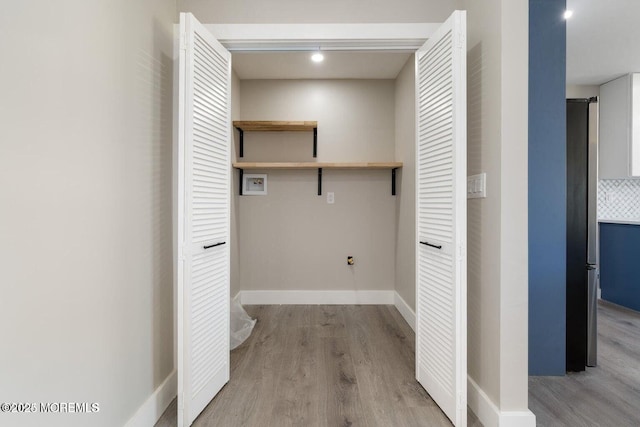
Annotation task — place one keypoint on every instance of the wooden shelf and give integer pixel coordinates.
(271, 126)
(274, 126)
(241, 166)
(318, 165)
(280, 126)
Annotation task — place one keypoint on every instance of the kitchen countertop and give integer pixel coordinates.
(621, 221)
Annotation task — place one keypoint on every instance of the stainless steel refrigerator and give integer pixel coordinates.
(582, 233)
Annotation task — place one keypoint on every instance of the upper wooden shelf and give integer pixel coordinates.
(271, 126)
(318, 165)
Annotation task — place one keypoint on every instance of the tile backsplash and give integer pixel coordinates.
(619, 199)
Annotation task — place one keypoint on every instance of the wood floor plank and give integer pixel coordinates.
(297, 386)
(399, 377)
(323, 366)
(403, 349)
(416, 416)
(365, 349)
(338, 399)
(329, 320)
(604, 396)
(241, 403)
(269, 366)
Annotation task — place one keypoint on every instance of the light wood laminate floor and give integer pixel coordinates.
(323, 366)
(604, 396)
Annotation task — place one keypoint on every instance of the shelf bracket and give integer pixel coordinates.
(241, 143)
(315, 142)
(241, 179)
(393, 181)
(319, 181)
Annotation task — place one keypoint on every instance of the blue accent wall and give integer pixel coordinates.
(547, 187)
(620, 264)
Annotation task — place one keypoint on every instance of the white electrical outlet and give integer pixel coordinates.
(331, 198)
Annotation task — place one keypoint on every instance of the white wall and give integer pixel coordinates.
(85, 222)
(235, 241)
(483, 155)
(625, 194)
(356, 119)
(292, 239)
(406, 197)
(308, 11)
(582, 91)
(497, 226)
(514, 251)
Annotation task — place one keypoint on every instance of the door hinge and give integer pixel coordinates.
(183, 41)
(461, 40)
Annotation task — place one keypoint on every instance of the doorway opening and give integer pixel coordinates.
(291, 221)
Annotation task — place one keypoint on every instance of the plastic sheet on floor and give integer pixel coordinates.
(241, 324)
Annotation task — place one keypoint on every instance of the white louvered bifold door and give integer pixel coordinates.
(203, 218)
(441, 218)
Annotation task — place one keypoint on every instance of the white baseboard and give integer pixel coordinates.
(517, 419)
(153, 408)
(404, 309)
(329, 297)
(486, 411)
(489, 414)
(316, 297)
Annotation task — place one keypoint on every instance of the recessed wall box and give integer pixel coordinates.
(254, 184)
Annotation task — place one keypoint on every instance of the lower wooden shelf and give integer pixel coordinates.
(241, 166)
(316, 165)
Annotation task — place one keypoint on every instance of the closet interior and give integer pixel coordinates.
(327, 149)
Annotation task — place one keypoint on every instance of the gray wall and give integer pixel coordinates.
(406, 199)
(235, 249)
(582, 91)
(86, 191)
(497, 226)
(313, 11)
(483, 152)
(292, 239)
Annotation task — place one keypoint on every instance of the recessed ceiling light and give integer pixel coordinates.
(317, 57)
(568, 14)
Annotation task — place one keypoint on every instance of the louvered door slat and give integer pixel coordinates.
(204, 195)
(441, 218)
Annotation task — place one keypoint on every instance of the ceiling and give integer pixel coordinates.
(336, 65)
(603, 40)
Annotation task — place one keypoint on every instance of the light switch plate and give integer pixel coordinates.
(477, 186)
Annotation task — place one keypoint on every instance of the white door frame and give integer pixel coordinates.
(408, 37)
(261, 37)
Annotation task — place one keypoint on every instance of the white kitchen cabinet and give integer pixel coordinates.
(619, 151)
